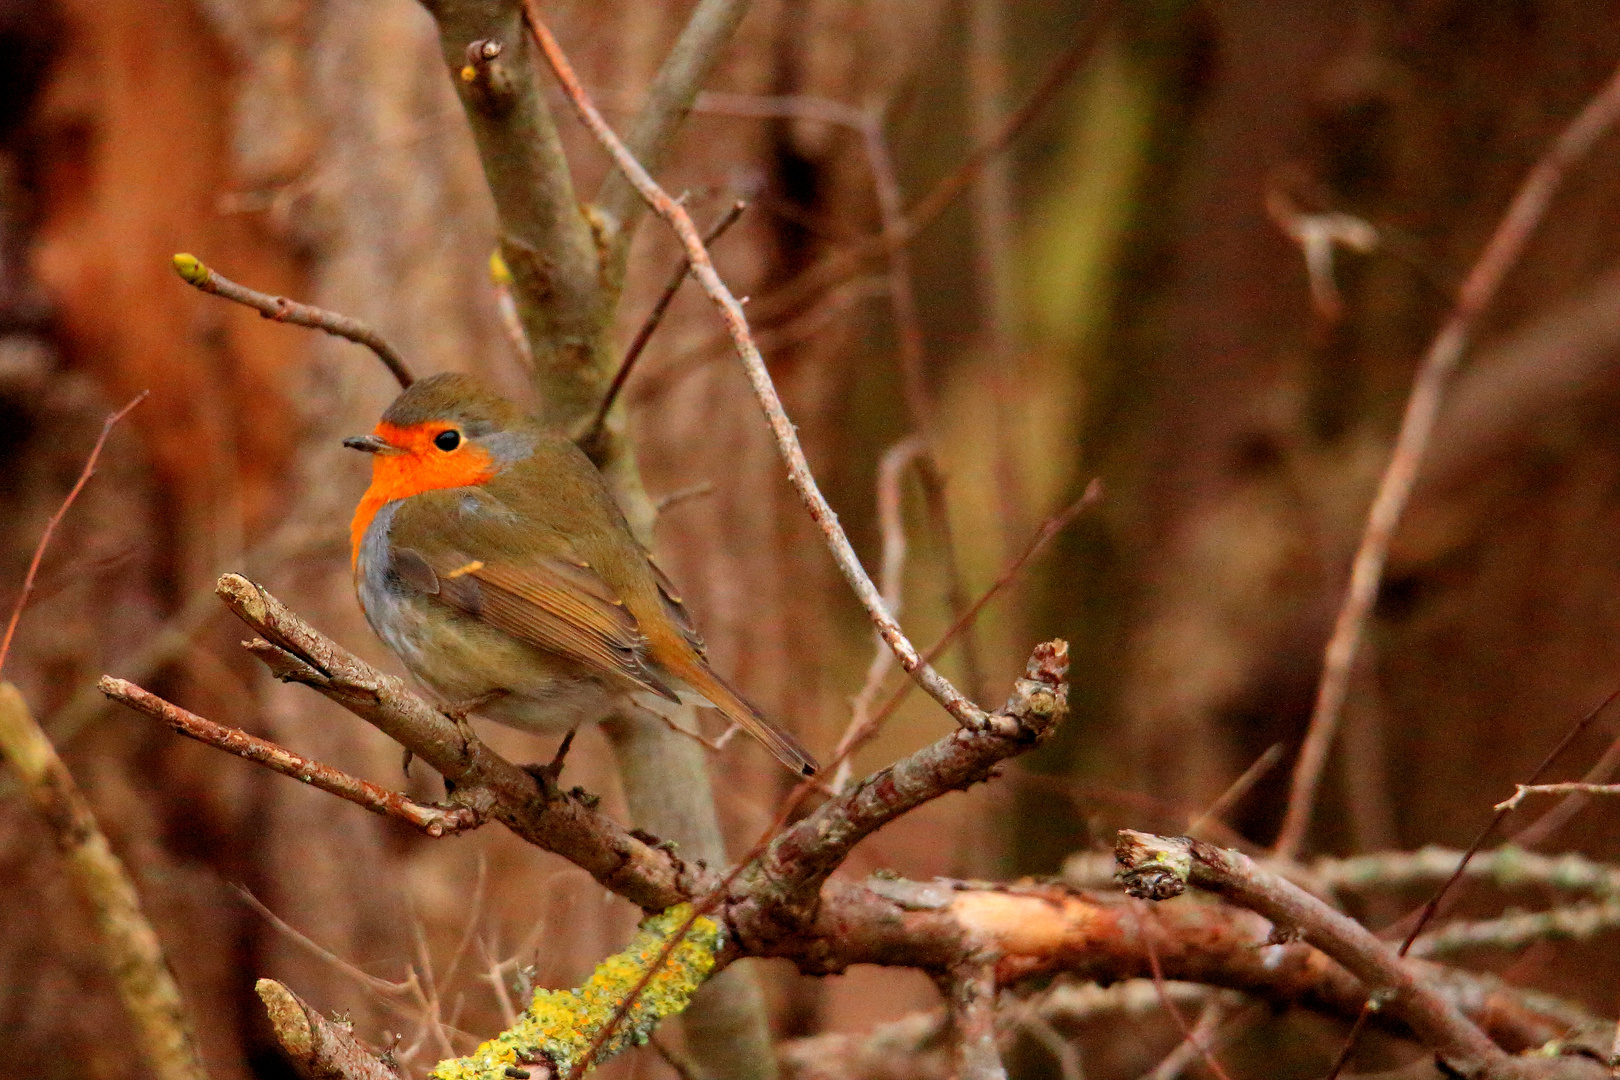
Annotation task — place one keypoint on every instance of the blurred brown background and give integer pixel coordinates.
(1112, 299)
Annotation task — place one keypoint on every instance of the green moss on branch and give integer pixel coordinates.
(560, 1025)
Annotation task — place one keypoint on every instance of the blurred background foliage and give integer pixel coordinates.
(1116, 297)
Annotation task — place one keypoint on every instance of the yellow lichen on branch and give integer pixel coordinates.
(560, 1025)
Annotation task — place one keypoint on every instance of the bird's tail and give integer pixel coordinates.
(733, 706)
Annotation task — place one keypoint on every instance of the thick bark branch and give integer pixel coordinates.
(534, 807)
(320, 1049)
(1157, 868)
(546, 240)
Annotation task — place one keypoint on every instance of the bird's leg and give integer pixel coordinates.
(550, 773)
(459, 711)
(554, 770)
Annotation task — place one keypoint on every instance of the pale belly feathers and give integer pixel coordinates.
(463, 661)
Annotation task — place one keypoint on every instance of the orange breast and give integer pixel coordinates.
(418, 466)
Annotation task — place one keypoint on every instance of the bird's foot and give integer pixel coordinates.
(550, 773)
(459, 711)
(554, 770)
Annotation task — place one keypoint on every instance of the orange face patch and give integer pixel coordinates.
(415, 466)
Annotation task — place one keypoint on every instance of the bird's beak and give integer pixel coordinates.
(371, 444)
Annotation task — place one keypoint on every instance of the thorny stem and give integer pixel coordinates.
(193, 272)
(965, 712)
(1524, 213)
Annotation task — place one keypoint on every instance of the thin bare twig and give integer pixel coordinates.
(913, 371)
(684, 1067)
(1427, 912)
(1555, 819)
(168, 642)
(1198, 1042)
(847, 261)
(1568, 788)
(593, 430)
(868, 124)
(854, 739)
(436, 821)
(193, 272)
(1317, 235)
(964, 711)
(1188, 1035)
(890, 574)
(664, 108)
(56, 519)
(1238, 788)
(680, 495)
(383, 988)
(1523, 214)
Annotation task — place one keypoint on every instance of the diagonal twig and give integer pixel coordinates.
(1422, 407)
(665, 106)
(856, 737)
(127, 942)
(56, 519)
(891, 467)
(847, 261)
(963, 710)
(436, 821)
(593, 431)
(195, 273)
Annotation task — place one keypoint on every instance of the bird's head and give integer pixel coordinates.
(445, 431)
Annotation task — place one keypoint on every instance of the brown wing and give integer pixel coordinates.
(677, 609)
(559, 606)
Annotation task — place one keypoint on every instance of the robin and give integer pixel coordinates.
(490, 555)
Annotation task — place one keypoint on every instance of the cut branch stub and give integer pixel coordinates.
(318, 1048)
(1153, 866)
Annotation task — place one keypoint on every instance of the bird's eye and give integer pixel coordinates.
(447, 440)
